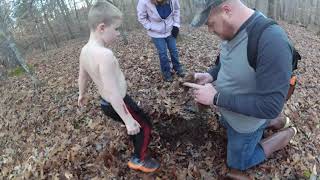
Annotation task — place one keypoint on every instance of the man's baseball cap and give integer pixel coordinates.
(202, 17)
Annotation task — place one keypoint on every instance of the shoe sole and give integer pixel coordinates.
(141, 168)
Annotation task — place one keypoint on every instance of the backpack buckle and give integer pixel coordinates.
(293, 80)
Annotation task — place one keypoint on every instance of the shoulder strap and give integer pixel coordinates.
(254, 34)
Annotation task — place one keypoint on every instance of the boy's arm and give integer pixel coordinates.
(176, 14)
(110, 92)
(82, 81)
(142, 15)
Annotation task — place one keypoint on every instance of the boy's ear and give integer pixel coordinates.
(101, 27)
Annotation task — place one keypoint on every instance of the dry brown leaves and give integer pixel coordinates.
(44, 135)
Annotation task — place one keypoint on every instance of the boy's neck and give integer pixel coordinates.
(96, 40)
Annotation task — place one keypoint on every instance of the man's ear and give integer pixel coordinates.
(101, 27)
(227, 9)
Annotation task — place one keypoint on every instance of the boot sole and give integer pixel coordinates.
(287, 124)
(295, 131)
(141, 168)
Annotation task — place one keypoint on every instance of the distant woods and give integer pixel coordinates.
(302, 12)
(44, 24)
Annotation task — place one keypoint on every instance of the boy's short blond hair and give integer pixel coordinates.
(103, 12)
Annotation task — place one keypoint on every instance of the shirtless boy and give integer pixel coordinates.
(98, 63)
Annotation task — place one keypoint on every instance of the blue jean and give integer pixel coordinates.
(244, 149)
(162, 44)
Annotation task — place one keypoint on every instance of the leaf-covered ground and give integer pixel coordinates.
(43, 135)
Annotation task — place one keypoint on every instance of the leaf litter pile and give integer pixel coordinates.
(43, 134)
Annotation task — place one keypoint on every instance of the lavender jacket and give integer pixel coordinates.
(157, 27)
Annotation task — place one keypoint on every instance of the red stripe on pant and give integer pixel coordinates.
(146, 132)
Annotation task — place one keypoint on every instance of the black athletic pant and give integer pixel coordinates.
(140, 140)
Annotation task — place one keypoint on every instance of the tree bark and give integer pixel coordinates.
(19, 58)
(271, 9)
(77, 15)
(38, 29)
(124, 26)
(88, 4)
(262, 6)
(66, 16)
(191, 11)
(45, 16)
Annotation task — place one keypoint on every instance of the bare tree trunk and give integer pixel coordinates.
(66, 16)
(20, 59)
(310, 12)
(123, 27)
(43, 39)
(45, 16)
(318, 14)
(3, 73)
(77, 15)
(271, 9)
(39, 29)
(88, 4)
(189, 9)
(66, 10)
(262, 6)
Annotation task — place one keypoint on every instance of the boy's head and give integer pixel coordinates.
(104, 18)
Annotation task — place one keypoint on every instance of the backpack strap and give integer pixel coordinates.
(295, 59)
(254, 34)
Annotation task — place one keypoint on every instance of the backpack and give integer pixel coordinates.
(253, 40)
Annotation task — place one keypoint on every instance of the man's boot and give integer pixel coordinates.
(278, 140)
(281, 122)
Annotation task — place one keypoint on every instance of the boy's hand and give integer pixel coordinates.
(133, 127)
(203, 94)
(82, 100)
(203, 78)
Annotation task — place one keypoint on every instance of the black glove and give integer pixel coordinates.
(175, 32)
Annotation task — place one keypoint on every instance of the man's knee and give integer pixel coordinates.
(237, 157)
(244, 156)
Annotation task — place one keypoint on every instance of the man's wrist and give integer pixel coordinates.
(216, 98)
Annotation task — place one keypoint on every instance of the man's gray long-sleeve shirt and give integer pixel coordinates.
(249, 97)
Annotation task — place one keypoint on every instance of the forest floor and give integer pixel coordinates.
(43, 134)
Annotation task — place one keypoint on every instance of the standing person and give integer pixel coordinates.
(249, 100)
(161, 18)
(98, 63)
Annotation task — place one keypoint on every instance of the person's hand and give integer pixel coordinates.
(133, 127)
(203, 94)
(175, 32)
(82, 100)
(203, 78)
